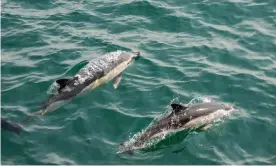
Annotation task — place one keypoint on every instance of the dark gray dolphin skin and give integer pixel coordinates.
(10, 126)
(97, 72)
(181, 117)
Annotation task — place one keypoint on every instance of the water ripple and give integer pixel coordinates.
(221, 49)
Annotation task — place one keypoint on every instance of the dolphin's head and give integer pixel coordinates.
(128, 56)
(226, 107)
(133, 55)
(136, 55)
(123, 147)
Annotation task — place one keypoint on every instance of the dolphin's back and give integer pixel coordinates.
(202, 109)
(104, 64)
(192, 112)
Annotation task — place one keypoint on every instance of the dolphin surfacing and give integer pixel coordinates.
(182, 117)
(97, 72)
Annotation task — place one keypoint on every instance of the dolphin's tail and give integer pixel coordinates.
(17, 127)
(10, 126)
(30, 117)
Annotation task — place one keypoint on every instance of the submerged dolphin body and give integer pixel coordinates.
(10, 126)
(182, 117)
(97, 72)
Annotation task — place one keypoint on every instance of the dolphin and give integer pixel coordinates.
(182, 117)
(10, 126)
(97, 72)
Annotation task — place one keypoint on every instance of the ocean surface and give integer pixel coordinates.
(191, 50)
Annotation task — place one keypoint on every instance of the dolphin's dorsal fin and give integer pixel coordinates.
(178, 107)
(63, 82)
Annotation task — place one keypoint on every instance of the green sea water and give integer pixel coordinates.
(223, 50)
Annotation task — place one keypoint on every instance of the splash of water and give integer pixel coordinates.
(200, 99)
